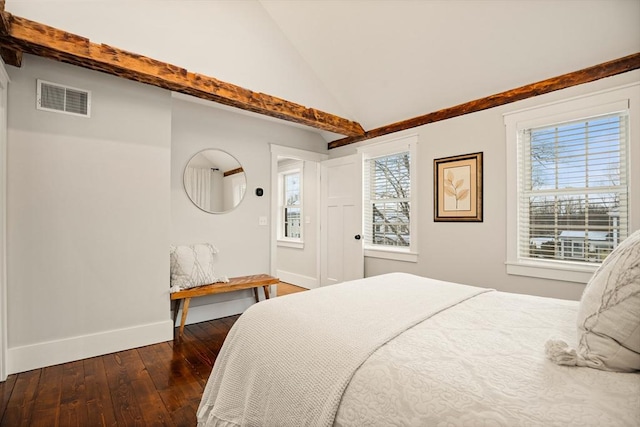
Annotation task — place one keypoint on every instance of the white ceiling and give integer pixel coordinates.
(373, 61)
(388, 61)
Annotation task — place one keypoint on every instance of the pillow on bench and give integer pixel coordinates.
(192, 266)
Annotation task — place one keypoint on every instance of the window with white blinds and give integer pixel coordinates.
(389, 208)
(573, 189)
(570, 201)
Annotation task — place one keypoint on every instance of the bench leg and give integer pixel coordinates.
(255, 294)
(176, 308)
(266, 291)
(183, 319)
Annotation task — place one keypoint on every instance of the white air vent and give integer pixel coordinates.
(63, 99)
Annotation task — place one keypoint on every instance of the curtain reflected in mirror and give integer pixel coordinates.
(215, 181)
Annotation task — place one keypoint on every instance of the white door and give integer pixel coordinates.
(342, 256)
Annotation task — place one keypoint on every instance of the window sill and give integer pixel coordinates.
(290, 244)
(391, 254)
(567, 272)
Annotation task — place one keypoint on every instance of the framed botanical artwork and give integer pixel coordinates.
(457, 193)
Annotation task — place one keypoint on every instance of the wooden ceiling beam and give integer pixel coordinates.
(22, 35)
(600, 71)
(9, 56)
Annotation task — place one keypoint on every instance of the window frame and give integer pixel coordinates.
(283, 171)
(584, 107)
(387, 148)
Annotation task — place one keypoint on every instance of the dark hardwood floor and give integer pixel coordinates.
(156, 385)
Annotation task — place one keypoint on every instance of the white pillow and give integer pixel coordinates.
(192, 266)
(609, 313)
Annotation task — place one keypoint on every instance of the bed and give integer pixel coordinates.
(403, 350)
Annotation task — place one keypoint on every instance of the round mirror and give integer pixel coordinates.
(214, 181)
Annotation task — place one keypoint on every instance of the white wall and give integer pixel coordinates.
(88, 218)
(244, 245)
(4, 83)
(475, 253)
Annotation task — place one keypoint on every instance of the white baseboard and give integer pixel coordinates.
(28, 357)
(202, 313)
(34, 356)
(297, 279)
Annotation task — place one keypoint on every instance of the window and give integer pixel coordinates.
(388, 186)
(291, 208)
(571, 187)
(573, 196)
(290, 229)
(389, 200)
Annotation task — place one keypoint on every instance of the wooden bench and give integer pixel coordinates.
(235, 284)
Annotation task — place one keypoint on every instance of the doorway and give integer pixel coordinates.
(295, 226)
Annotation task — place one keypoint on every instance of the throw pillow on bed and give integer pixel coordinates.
(192, 266)
(609, 315)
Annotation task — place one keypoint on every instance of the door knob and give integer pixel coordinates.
(357, 237)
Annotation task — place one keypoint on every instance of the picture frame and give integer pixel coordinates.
(457, 192)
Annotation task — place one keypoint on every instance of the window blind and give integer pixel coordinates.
(573, 189)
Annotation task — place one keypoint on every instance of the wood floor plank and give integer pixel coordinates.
(73, 402)
(46, 408)
(186, 415)
(196, 353)
(158, 369)
(146, 395)
(287, 288)
(210, 335)
(170, 371)
(178, 388)
(6, 388)
(229, 321)
(20, 406)
(152, 407)
(125, 405)
(98, 396)
(215, 335)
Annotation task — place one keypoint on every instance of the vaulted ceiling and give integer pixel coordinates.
(361, 62)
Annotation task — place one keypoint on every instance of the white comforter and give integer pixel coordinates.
(287, 361)
(482, 363)
(478, 362)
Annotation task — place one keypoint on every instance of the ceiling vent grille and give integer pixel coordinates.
(63, 99)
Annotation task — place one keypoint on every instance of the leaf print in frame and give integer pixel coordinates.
(458, 188)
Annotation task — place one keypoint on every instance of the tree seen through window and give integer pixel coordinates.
(574, 189)
(389, 198)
